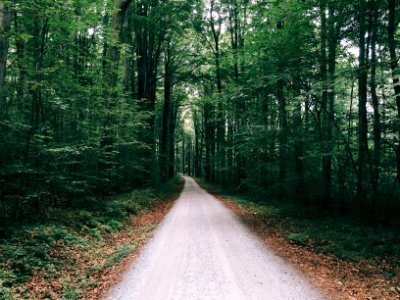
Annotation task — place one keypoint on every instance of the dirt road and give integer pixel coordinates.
(202, 251)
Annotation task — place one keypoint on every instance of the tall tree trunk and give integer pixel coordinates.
(120, 9)
(149, 42)
(209, 140)
(325, 121)
(282, 125)
(298, 144)
(220, 123)
(282, 133)
(375, 104)
(392, 27)
(362, 112)
(197, 146)
(5, 25)
(234, 32)
(164, 166)
(330, 113)
(127, 38)
(173, 111)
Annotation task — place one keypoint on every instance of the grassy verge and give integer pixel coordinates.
(66, 255)
(359, 259)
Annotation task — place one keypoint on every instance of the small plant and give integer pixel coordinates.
(5, 293)
(297, 238)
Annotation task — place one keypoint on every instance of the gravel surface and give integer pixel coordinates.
(202, 251)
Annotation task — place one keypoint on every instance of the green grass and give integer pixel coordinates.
(51, 246)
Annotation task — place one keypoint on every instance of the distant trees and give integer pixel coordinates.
(309, 105)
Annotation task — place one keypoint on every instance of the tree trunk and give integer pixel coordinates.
(173, 111)
(298, 145)
(375, 104)
(127, 38)
(164, 168)
(282, 133)
(362, 113)
(209, 140)
(392, 26)
(5, 24)
(197, 137)
(282, 126)
(325, 122)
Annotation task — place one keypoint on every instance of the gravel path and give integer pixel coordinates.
(202, 251)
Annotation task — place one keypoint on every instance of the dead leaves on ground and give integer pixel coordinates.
(90, 270)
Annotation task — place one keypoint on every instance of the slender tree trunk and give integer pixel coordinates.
(298, 145)
(164, 164)
(220, 122)
(171, 138)
(209, 140)
(375, 104)
(330, 113)
(197, 137)
(127, 38)
(392, 26)
(5, 24)
(282, 133)
(282, 126)
(324, 127)
(362, 112)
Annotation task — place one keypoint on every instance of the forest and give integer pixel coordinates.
(293, 100)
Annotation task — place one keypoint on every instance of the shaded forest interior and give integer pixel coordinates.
(290, 100)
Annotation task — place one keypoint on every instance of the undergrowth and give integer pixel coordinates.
(54, 248)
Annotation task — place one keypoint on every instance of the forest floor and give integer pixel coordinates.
(349, 261)
(80, 252)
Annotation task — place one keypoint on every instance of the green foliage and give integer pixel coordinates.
(50, 245)
(297, 238)
(120, 253)
(5, 293)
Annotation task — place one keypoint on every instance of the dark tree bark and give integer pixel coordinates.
(376, 106)
(282, 131)
(220, 123)
(197, 145)
(149, 41)
(392, 26)
(209, 140)
(283, 126)
(362, 111)
(127, 38)
(165, 136)
(5, 25)
(325, 121)
(298, 144)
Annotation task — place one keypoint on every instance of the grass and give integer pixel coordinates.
(64, 254)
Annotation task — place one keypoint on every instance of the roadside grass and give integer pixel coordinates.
(307, 227)
(63, 256)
